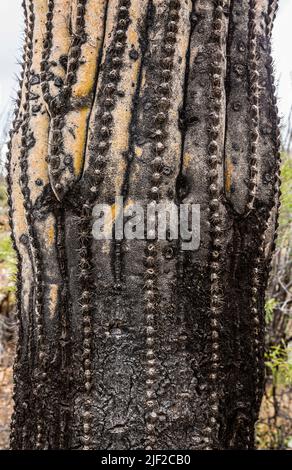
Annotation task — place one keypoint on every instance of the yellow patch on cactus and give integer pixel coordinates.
(37, 166)
(228, 175)
(122, 119)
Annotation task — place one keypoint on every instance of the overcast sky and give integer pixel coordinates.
(11, 38)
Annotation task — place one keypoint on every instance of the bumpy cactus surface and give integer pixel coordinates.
(127, 344)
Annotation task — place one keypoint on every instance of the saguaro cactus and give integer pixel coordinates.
(127, 344)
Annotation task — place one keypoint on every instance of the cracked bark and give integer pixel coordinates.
(139, 344)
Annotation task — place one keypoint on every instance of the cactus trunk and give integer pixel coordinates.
(130, 344)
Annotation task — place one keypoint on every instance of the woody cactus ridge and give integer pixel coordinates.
(140, 344)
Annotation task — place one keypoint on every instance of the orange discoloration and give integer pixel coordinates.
(75, 137)
(61, 35)
(132, 36)
(20, 224)
(128, 204)
(94, 17)
(138, 151)
(187, 159)
(228, 175)
(39, 122)
(85, 83)
(113, 211)
(143, 80)
(51, 235)
(121, 140)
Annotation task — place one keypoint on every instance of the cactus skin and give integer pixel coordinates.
(138, 344)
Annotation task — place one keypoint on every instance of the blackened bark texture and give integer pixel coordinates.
(140, 344)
